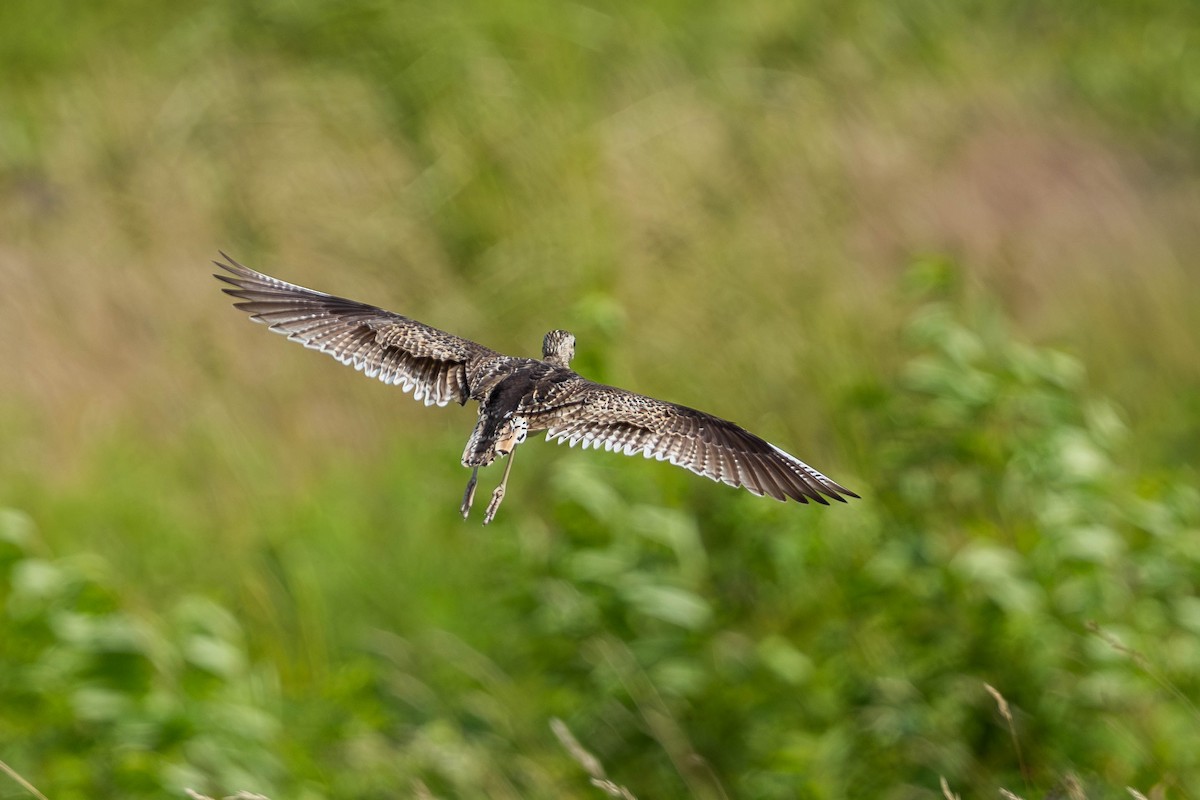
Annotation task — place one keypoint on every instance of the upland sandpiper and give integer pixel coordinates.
(520, 396)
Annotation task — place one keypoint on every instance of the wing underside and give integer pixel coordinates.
(429, 363)
(632, 424)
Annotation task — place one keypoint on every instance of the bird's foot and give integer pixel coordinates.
(469, 494)
(494, 505)
(498, 495)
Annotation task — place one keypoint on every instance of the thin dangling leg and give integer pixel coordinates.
(498, 494)
(469, 494)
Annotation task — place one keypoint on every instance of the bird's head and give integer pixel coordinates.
(558, 348)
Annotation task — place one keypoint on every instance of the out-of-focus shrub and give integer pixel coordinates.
(100, 697)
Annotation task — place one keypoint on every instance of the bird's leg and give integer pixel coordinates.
(498, 494)
(469, 494)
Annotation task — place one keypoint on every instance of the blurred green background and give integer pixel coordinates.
(946, 252)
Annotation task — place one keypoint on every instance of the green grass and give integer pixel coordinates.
(945, 253)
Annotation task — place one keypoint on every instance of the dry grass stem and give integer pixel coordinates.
(242, 795)
(613, 789)
(946, 793)
(1144, 664)
(1005, 712)
(1135, 793)
(702, 782)
(591, 765)
(1001, 703)
(1073, 787)
(29, 787)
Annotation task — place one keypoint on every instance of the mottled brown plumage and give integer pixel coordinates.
(520, 396)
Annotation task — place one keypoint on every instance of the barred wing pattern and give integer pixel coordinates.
(604, 416)
(428, 362)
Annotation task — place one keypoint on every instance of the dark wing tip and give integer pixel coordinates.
(232, 262)
(837, 491)
(801, 480)
(235, 267)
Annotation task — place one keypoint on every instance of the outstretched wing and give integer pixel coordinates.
(430, 363)
(604, 416)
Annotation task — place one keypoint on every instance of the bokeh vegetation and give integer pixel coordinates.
(945, 252)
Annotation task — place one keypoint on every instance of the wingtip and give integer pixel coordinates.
(837, 491)
(230, 264)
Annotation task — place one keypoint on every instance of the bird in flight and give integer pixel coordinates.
(521, 396)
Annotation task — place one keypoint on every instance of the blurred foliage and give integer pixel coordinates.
(110, 700)
(235, 567)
